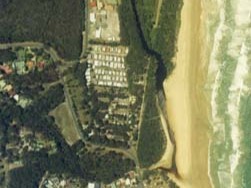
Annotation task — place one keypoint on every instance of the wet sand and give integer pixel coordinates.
(187, 107)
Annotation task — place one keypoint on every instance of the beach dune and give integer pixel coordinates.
(187, 107)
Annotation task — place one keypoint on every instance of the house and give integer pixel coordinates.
(6, 69)
(8, 88)
(92, 17)
(100, 5)
(94, 185)
(19, 66)
(22, 101)
(109, 7)
(93, 4)
(98, 33)
(30, 65)
(41, 65)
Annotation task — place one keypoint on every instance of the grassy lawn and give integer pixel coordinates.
(64, 120)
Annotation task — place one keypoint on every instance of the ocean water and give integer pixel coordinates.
(228, 28)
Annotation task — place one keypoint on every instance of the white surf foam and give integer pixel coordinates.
(214, 67)
(243, 13)
(238, 50)
(234, 108)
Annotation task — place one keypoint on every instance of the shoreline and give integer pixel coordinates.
(187, 105)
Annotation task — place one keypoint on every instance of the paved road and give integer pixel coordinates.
(54, 55)
(21, 44)
(49, 50)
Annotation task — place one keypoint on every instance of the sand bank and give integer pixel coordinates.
(187, 107)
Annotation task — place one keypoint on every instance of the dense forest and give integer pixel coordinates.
(55, 23)
(7, 55)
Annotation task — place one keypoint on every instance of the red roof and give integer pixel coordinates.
(41, 64)
(6, 69)
(93, 4)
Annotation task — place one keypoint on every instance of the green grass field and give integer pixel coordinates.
(64, 121)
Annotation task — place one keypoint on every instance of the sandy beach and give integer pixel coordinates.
(187, 107)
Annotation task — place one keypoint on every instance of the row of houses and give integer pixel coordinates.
(117, 50)
(100, 71)
(106, 58)
(107, 64)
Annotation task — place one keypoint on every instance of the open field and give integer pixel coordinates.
(187, 107)
(65, 123)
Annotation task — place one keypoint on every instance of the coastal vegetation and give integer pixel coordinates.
(152, 141)
(245, 119)
(160, 36)
(56, 23)
(142, 61)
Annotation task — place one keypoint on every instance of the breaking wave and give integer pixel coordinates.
(229, 33)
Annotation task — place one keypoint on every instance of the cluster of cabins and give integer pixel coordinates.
(107, 70)
(106, 66)
(119, 110)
